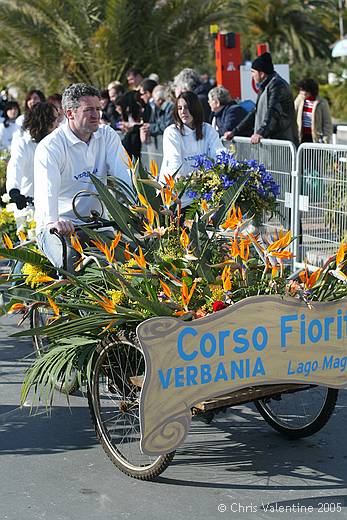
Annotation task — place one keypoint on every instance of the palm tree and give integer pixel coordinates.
(295, 29)
(49, 44)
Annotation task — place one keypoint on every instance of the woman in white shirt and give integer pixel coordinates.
(187, 137)
(38, 123)
(8, 127)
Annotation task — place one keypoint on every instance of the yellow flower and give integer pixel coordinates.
(35, 276)
(117, 296)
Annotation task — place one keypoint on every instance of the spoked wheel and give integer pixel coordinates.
(40, 317)
(114, 395)
(299, 413)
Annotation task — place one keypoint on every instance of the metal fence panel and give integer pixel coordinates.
(152, 150)
(321, 203)
(279, 159)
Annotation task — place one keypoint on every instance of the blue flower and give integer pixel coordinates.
(252, 163)
(208, 195)
(192, 194)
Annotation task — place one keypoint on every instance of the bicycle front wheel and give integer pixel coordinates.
(114, 396)
(299, 413)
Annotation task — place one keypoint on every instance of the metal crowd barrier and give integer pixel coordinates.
(321, 201)
(313, 197)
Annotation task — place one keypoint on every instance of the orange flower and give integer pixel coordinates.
(109, 254)
(76, 244)
(184, 239)
(204, 206)
(22, 236)
(340, 255)
(107, 305)
(186, 294)
(128, 161)
(234, 218)
(150, 215)
(169, 181)
(244, 249)
(7, 241)
(235, 251)
(166, 289)
(17, 307)
(115, 241)
(282, 254)
(154, 168)
(310, 280)
(54, 306)
(226, 278)
(142, 200)
(281, 243)
(126, 253)
(140, 259)
(167, 196)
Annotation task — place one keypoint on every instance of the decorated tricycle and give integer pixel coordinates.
(187, 311)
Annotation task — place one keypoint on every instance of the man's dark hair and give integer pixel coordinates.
(73, 94)
(196, 110)
(104, 94)
(148, 85)
(309, 85)
(134, 72)
(39, 120)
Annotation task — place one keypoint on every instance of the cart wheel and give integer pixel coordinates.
(113, 397)
(40, 317)
(299, 413)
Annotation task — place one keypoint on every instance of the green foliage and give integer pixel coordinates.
(50, 44)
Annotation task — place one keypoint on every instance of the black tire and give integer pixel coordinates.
(114, 406)
(40, 317)
(299, 413)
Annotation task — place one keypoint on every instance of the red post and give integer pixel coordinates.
(262, 47)
(228, 61)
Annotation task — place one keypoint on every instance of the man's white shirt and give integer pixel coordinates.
(63, 164)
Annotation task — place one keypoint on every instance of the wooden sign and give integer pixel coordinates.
(259, 340)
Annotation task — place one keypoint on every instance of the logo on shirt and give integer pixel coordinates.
(85, 174)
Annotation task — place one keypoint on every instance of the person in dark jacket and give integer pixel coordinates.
(226, 113)
(274, 113)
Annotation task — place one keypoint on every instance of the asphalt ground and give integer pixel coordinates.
(52, 466)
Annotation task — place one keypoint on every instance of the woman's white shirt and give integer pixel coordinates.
(6, 134)
(20, 169)
(179, 149)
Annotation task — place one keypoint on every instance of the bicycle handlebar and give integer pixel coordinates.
(96, 224)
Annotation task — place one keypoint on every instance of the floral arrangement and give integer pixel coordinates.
(8, 224)
(159, 264)
(211, 178)
(20, 227)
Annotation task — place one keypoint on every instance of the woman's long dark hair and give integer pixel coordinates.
(39, 120)
(8, 106)
(30, 93)
(196, 110)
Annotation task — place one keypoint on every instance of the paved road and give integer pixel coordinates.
(53, 468)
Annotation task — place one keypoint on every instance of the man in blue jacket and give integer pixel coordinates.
(226, 113)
